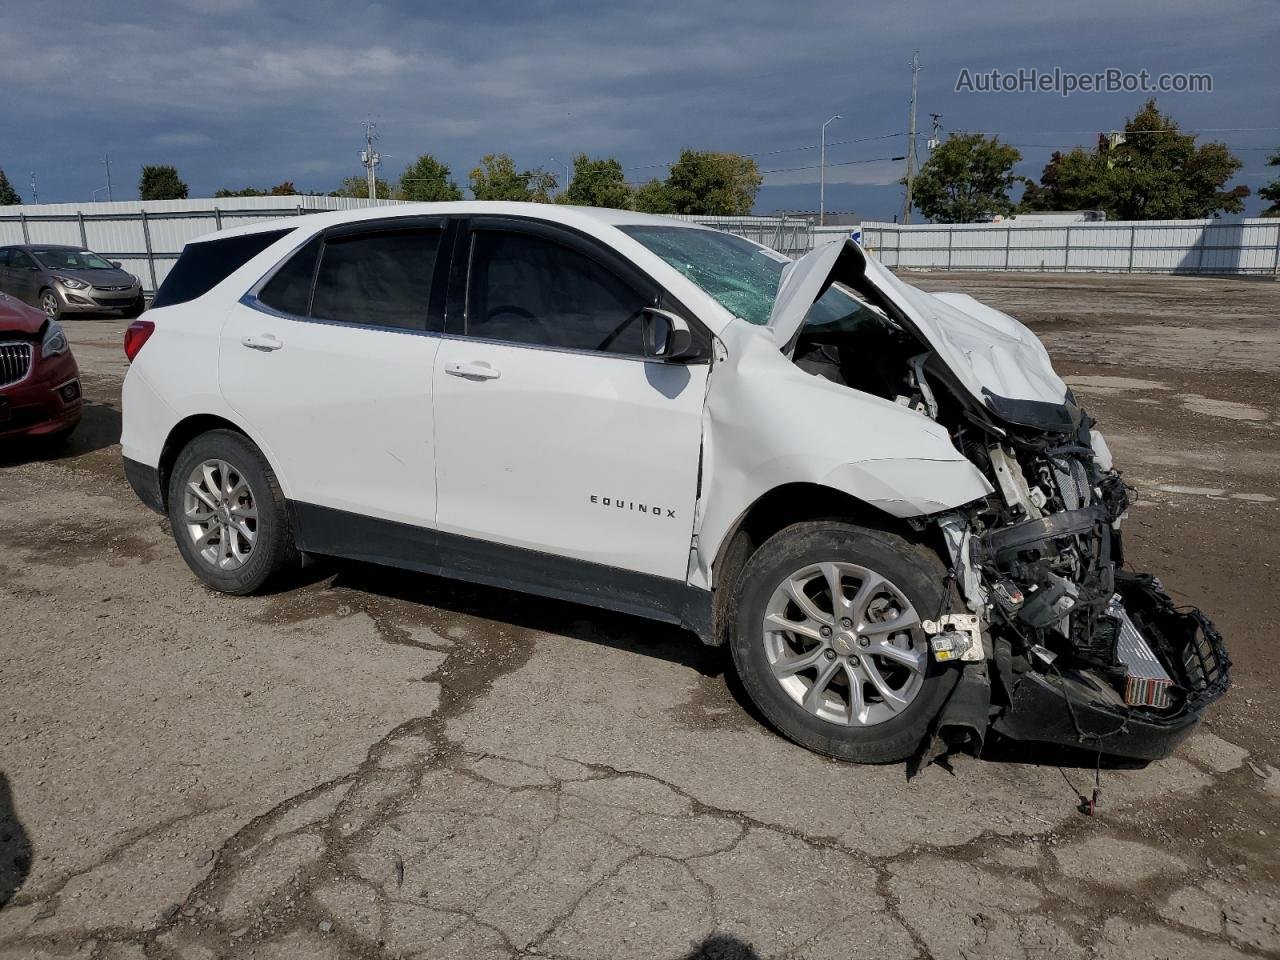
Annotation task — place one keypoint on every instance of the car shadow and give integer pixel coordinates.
(525, 611)
(15, 845)
(98, 429)
(723, 946)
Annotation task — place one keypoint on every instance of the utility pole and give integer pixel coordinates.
(822, 175)
(936, 138)
(106, 162)
(911, 145)
(35, 194)
(370, 158)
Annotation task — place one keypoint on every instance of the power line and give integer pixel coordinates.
(843, 163)
(771, 153)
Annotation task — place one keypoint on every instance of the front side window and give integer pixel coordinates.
(531, 290)
(19, 258)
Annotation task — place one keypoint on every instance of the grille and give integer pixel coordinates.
(15, 362)
(126, 286)
(1073, 482)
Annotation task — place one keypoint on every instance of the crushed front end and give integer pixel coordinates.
(1068, 646)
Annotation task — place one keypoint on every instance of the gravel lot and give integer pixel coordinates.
(375, 764)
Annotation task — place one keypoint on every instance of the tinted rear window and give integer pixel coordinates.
(289, 291)
(203, 266)
(380, 279)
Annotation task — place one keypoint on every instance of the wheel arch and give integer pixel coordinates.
(777, 509)
(186, 430)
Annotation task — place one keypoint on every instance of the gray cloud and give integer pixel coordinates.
(242, 92)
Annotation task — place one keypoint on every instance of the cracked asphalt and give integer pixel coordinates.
(368, 763)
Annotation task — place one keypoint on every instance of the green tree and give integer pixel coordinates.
(358, 188)
(8, 195)
(498, 179)
(1270, 193)
(654, 197)
(598, 183)
(427, 179)
(1152, 172)
(161, 182)
(966, 178)
(718, 184)
(285, 189)
(542, 184)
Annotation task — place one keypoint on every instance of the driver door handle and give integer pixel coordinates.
(472, 370)
(266, 343)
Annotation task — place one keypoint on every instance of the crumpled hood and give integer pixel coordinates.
(989, 352)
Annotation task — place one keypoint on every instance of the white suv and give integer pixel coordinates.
(885, 502)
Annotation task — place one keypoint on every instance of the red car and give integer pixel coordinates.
(39, 379)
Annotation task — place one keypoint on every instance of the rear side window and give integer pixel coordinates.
(202, 266)
(380, 279)
(526, 289)
(289, 291)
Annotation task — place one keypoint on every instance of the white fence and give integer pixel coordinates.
(146, 236)
(1245, 246)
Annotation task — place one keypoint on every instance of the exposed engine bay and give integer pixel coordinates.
(1061, 642)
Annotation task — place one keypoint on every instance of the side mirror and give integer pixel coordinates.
(666, 335)
(116, 264)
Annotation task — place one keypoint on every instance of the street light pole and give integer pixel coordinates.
(566, 172)
(822, 174)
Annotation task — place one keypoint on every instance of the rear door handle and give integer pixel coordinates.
(472, 370)
(265, 343)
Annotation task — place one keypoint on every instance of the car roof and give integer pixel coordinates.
(589, 218)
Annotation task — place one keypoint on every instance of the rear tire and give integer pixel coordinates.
(228, 515)
(878, 687)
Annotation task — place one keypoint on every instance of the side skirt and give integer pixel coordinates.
(338, 533)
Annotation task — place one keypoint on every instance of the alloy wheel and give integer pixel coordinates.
(845, 644)
(49, 303)
(220, 514)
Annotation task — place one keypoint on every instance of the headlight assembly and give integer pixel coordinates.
(55, 341)
(71, 283)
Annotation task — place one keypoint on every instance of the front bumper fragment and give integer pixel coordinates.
(1077, 708)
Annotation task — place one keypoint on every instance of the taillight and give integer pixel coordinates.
(135, 335)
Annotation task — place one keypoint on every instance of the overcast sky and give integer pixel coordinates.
(249, 92)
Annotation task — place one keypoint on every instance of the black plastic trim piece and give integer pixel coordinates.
(339, 533)
(145, 481)
(1064, 710)
(1038, 414)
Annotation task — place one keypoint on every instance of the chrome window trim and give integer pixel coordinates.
(252, 302)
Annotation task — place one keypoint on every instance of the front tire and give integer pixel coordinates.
(50, 304)
(828, 642)
(228, 515)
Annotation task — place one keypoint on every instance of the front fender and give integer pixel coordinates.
(769, 424)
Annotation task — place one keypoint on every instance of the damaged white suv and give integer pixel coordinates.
(885, 502)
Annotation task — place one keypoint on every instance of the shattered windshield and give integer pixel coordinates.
(743, 277)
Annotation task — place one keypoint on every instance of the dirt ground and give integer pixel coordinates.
(373, 764)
